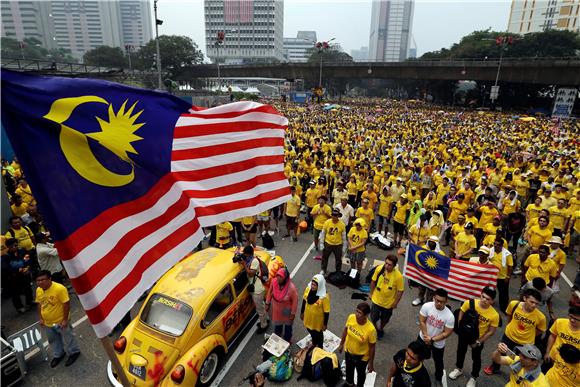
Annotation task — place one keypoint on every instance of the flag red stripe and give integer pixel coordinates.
(115, 256)
(222, 127)
(479, 269)
(233, 114)
(99, 313)
(461, 278)
(237, 187)
(222, 170)
(214, 150)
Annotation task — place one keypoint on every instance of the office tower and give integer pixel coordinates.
(79, 26)
(252, 30)
(298, 49)
(391, 27)
(360, 55)
(540, 15)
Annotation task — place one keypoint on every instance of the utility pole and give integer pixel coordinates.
(157, 24)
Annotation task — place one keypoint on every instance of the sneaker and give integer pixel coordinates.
(517, 271)
(417, 301)
(71, 359)
(489, 370)
(455, 373)
(55, 361)
(472, 382)
(380, 334)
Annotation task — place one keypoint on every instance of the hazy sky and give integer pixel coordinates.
(436, 24)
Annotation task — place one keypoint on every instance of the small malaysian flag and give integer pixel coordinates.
(462, 280)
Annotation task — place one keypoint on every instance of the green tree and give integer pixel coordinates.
(177, 52)
(328, 55)
(105, 56)
(31, 48)
(481, 44)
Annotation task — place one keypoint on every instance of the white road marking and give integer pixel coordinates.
(242, 345)
(45, 343)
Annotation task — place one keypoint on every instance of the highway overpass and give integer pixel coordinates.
(552, 71)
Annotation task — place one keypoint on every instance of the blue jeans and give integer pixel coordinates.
(287, 331)
(58, 337)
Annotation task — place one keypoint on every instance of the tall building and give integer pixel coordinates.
(360, 55)
(391, 27)
(540, 15)
(79, 26)
(298, 49)
(252, 30)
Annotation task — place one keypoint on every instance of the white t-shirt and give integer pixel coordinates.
(258, 287)
(437, 321)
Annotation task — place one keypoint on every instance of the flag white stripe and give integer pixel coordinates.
(109, 238)
(478, 276)
(211, 220)
(248, 194)
(249, 117)
(440, 282)
(101, 289)
(225, 159)
(470, 281)
(230, 107)
(149, 276)
(218, 139)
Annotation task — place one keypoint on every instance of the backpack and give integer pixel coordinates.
(338, 279)
(267, 241)
(323, 369)
(310, 371)
(300, 358)
(353, 282)
(13, 235)
(468, 327)
(281, 368)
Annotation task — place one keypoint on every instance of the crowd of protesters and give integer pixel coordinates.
(485, 187)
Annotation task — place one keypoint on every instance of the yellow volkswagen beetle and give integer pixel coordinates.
(189, 320)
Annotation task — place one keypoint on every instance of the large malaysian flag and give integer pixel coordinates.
(126, 178)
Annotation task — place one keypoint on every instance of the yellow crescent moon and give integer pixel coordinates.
(75, 145)
(418, 260)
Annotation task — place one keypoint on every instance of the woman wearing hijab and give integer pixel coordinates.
(283, 298)
(415, 213)
(315, 309)
(358, 341)
(436, 223)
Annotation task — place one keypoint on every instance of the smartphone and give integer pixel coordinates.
(510, 353)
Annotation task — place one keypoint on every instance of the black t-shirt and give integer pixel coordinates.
(404, 378)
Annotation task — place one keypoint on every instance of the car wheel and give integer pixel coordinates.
(209, 368)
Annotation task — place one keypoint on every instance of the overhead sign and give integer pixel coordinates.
(493, 94)
(564, 102)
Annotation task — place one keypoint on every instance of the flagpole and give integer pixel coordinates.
(106, 342)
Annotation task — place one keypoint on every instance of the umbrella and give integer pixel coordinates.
(527, 119)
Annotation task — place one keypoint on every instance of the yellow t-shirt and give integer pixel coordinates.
(538, 236)
(534, 211)
(559, 257)
(223, 233)
(248, 220)
(537, 268)
(333, 232)
(508, 208)
(320, 215)
(351, 188)
(522, 328)
(368, 215)
(387, 286)
(357, 237)
(19, 210)
(372, 198)
(563, 374)
(541, 381)
(419, 235)
(558, 217)
(564, 335)
(456, 209)
(465, 243)
(401, 212)
(487, 215)
(487, 317)
(312, 195)
(359, 337)
(385, 203)
(503, 270)
(293, 206)
(52, 302)
(442, 190)
(24, 237)
(314, 314)
(576, 219)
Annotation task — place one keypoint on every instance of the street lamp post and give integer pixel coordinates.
(321, 46)
(219, 41)
(128, 48)
(157, 24)
(503, 42)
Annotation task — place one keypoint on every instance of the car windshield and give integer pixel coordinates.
(166, 314)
